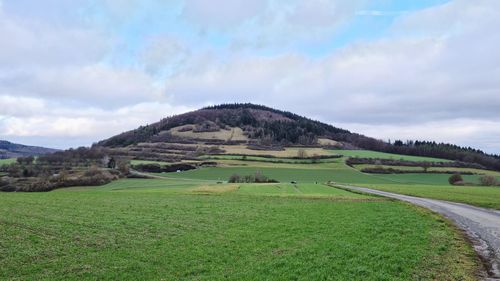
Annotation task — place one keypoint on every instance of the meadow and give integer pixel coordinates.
(382, 155)
(7, 161)
(192, 225)
(481, 196)
(195, 230)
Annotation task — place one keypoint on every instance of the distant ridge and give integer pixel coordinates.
(13, 150)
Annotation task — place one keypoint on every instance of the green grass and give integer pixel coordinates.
(342, 174)
(7, 161)
(431, 169)
(382, 155)
(300, 190)
(482, 196)
(423, 178)
(271, 160)
(139, 162)
(159, 229)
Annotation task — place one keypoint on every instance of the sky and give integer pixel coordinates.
(76, 72)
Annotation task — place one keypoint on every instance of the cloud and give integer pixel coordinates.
(467, 132)
(321, 13)
(38, 43)
(221, 13)
(435, 68)
(164, 54)
(59, 121)
(399, 80)
(378, 13)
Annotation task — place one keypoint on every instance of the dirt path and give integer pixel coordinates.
(482, 225)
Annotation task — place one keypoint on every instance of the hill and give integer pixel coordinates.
(13, 150)
(232, 123)
(261, 127)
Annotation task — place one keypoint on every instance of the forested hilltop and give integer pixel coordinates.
(259, 125)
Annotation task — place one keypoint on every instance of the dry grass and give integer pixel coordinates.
(219, 188)
(328, 142)
(288, 152)
(235, 134)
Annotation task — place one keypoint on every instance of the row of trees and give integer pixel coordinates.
(485, 180)
(426, 149)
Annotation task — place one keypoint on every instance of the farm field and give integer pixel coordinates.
(482, 196)
(432, 169)
(282, 174)
(418, 184)
(7, 161)
(382, 155)
(196, 230)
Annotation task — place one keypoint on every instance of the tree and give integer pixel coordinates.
(488, 180)
(425, 166)
(455, 178)
(234, 178)
(301, 153)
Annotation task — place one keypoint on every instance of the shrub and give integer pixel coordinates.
(488, 180)
(257, 178)
(455, 178)
(234, 178)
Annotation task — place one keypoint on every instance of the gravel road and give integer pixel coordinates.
(482, 225)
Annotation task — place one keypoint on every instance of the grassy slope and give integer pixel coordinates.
(161, 229)
(282, 174)
(431, 169)
(7, 161)
(420, 184)
(482, 196)
(382, 155)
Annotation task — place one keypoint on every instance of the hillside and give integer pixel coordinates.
(233, 123)
(13, 150)
(260, 127)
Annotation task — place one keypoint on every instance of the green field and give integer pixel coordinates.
(189, 226)
(431, 169)
(382, 155)
(176, 229)
(437, 185)
(341, 174)
(271, 159)
(482, 196)
(7, 161)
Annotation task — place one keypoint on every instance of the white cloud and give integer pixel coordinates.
(467, 132)
(164, 54)
(28, 43)
(222, 13)
(438, 69)
(60, 121)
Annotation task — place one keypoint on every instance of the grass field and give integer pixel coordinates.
(432, 169)
(382, 155)
(282, 174)
(7, 161)
(287, 152)
(482, 196)
(271, 160)
(174, 229)
(186, 226)
(418, 184)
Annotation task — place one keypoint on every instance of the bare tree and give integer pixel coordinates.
(301, 153)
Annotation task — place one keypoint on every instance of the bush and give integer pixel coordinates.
(488, 180)
(257, 178)
(455, 178)
(234, 178)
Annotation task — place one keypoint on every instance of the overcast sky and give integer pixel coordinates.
(75, 72)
